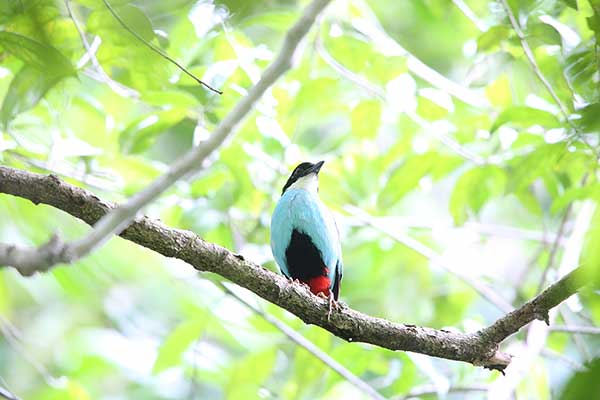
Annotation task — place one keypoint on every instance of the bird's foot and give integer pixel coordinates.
(332, 304)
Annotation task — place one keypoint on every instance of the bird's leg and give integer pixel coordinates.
(331, 303)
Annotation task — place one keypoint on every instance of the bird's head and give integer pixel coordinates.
(304, 177)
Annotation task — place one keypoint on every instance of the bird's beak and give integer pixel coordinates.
(317, 167)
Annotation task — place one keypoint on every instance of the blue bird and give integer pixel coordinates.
(304, 237)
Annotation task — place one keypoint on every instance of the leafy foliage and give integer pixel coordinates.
(431, 119)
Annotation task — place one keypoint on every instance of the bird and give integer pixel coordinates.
(305, 240)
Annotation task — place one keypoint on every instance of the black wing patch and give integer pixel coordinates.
(303, 258)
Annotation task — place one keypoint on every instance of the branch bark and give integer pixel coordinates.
(56, 251)
(479, 348)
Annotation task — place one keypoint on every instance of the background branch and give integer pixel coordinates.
(102, 75)
(158, 50)
(5, 394)
(534, 65)
(480, 348)
(308, 346)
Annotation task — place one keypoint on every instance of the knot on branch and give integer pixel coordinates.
(542, 315)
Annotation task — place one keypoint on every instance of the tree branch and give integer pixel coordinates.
(5, 394)
(583, 330)
(479, 348)
(114, 222)
(537, 308)
(482, 289)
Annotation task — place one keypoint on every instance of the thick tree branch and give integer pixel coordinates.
(479, 348)
(114, 222)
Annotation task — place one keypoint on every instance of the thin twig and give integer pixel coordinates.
(103, 76)
(559, 235)
(577, 337)
(358, 80)
(91, 180)
(6, 394)
(30, 260)
(534, 65)
(157, 49)
(308, 346)
(451, 143)
(13, 338)
(378, 36)
(549, 353)
(584, 330)
(379, 93)
(466, 10)
(485, 291)
(430, 390)
(554, 248)
(484, 229)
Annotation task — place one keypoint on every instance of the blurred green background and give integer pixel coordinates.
(450, 167)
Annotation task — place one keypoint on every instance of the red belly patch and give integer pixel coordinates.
(319, 284)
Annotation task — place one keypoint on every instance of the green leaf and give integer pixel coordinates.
(140, 134)
(583, 383)
(590, 252)
(249, 373)
(366, 118)
(522, 116)
(590, 118)
(540, 33)
(100, 4)
(26, 89)
(529, 201)
(539, 163)
(176, 344)
(571, 3)
(102, 21)
(575, 193)
(474, 188)
(38, 55)
(407, 176)
(10, 8)
(580, 69)
(212, 181)
(594, 24)
(493, 37)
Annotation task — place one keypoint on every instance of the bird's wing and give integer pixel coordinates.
(310, 216)
(281, 232)
(336, 276)
(337, 279)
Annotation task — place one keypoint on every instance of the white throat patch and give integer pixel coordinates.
(310, 183)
